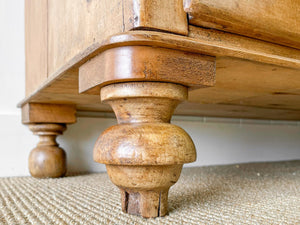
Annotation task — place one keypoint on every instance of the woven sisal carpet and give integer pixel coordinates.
(257, 193)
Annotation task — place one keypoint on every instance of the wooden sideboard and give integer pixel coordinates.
(142, 58)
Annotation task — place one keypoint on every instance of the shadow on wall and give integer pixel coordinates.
(78, 142)
(225, 142)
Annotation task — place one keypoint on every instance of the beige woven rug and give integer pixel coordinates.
(260, 193)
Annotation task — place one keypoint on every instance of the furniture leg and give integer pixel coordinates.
(47, 121)
(144, 153)
(47, 159)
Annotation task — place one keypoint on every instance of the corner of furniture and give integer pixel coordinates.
(144, 58)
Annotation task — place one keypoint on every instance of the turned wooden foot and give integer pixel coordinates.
(47, 121)
(144, 189)
(47, 159)
(144, 153)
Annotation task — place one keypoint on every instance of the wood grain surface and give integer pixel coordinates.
(141, 63)
(164, 15)
(144, 153)
(56, 31)
(36, 44)
(48, 113)
(76, 26)
(202, 41)
(275, 21)
(47, 160)
(251, 63)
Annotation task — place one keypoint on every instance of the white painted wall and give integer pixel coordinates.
(218, 141)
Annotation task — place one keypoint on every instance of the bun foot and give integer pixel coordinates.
(47, 160)
(144, 153)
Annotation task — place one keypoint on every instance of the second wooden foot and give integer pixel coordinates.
(47, 160)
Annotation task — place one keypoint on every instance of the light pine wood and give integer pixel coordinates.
(209, 42)
(47, 160)
(35, 43)
(58, 31)
(203, 41)
(165, 15)
(234, 111)
(219, 43)
(143, 75)
(90, 103)
(238, 80)
(212, 43)
(62, 85)
(48, 113)
(47, 121)
(276, 21)
(273, 68)
(144, 153)
(77, 26)
(141, 63)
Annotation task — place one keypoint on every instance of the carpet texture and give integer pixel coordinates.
(255, 193)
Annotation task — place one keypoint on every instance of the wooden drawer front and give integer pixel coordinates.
(276, 21)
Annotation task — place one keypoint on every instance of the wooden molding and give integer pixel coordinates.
(164, 15)
(232, 45)
(143, 63)
(48, 113)
(275, 21)
(220, 43)
(269, 68)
